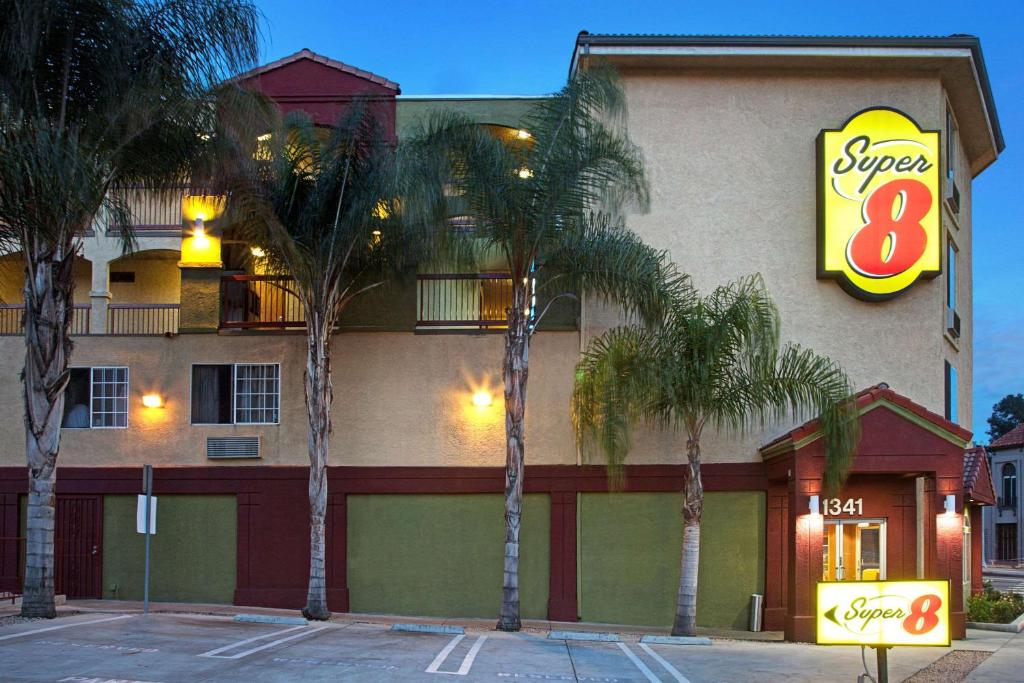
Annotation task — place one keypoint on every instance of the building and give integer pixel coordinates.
(728, 127)
(1003, 539)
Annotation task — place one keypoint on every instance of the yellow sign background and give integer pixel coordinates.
(875, 147)
(883, 613)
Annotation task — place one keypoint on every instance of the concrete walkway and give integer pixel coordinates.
(1006, 665)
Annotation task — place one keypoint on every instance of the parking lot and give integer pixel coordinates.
(166, 648)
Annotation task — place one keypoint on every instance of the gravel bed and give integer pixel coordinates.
(11, 619)
(952, 668)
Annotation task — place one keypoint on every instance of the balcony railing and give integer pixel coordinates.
(11, 317)
(461, 301)
(142, 319)
(260, 301)
(153, 211)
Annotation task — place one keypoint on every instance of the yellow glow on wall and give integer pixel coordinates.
(202, 207)
(883, 613)
(482, 398)
(200, 249)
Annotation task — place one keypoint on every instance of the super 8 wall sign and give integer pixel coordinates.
(883, 613)
(878, 204)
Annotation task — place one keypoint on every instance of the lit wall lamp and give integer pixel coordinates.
(482, 398)
(814, 505)
(950, 504)
(153, 400)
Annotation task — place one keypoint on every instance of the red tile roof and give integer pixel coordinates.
(1011, 439)
(306, 53)
(866, 397)
(978, 486)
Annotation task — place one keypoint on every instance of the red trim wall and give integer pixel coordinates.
(273, 532)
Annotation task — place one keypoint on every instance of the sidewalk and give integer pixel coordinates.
(1006, 665)
(536, 625)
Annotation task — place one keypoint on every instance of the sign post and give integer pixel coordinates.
(147, 490)
(883, 614)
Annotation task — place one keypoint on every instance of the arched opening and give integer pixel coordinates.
(145, 293)
(1009, 487)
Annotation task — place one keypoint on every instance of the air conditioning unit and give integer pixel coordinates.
(952, 196)
(233, 447)
(952, 323)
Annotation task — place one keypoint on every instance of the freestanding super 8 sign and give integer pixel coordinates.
(883, 613)
(878, 204)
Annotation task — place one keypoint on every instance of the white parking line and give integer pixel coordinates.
(57, 628)
(664, 662)
(639, 664)
(306, 631)
(467, 661)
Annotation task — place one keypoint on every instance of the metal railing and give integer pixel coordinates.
(142, 319)
(11, 316)
(259, 301)
(460, 301)
(151, 210)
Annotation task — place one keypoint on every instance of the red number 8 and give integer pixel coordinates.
(908, 236)
(923, 617)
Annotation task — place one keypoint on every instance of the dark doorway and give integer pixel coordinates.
(1006, 541)
(78, 546)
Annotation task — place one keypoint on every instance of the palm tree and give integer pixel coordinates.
(546, 199)
(320, 204)
(717, 361)
(93, 93)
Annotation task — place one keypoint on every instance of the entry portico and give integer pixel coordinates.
(888, 521)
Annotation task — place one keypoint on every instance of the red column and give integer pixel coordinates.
(337, 552)
(776, 583)
(562, 604)
(949, 560)
(804, 565)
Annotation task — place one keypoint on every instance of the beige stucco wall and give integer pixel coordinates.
(400, 399)
(157, 278)
(731, 162)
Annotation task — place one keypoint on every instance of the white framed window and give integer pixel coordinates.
(951, 143)
(242, 393)
(96, 398)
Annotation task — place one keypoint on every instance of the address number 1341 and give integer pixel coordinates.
(842, 506)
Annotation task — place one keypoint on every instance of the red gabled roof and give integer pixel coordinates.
(1011, 439)
(306, 53)
(978, 486)
(866, 397)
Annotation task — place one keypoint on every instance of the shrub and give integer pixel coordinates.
(994, 607)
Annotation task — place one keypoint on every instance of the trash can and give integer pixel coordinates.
(756, 605)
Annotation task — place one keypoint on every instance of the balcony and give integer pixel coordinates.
(153, 214)
(469, 301)
(142, 319)
(12, 315)
(259, 302)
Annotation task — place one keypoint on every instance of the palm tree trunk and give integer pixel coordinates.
(693, 507)
(48, 307)
(318, 409)
(515, 371)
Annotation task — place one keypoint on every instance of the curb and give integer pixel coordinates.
(675, 640)
(270, 619)
(1015, 626)
(428, 628)
(584, 635)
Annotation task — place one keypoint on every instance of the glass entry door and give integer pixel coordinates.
(853, 550)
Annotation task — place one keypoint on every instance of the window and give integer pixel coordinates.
(244, 393)
(951, 252)
(951, 140)
(96, 398)
(1009, 474)
(951, 393)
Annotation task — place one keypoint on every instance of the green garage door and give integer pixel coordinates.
(441, 554)
(192, 554)
(629, 557)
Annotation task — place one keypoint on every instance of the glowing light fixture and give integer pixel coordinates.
(523, 134)
(950, 504)
(814, 505)
(482, 398)
(153, 400)
(525, 173)
(257, 252)
(263, 138)
(376, 233)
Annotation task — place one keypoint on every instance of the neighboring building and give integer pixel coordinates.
(728, 128)
(1004, 535)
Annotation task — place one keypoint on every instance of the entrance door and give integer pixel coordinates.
(853, 550)
(77, 545)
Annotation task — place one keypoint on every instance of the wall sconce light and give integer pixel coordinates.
(257, 252)
(153, 400)
(950, 504)
(523, 134)
(814, 505)
(482, 398)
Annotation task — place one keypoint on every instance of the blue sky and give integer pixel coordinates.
(452, 46)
